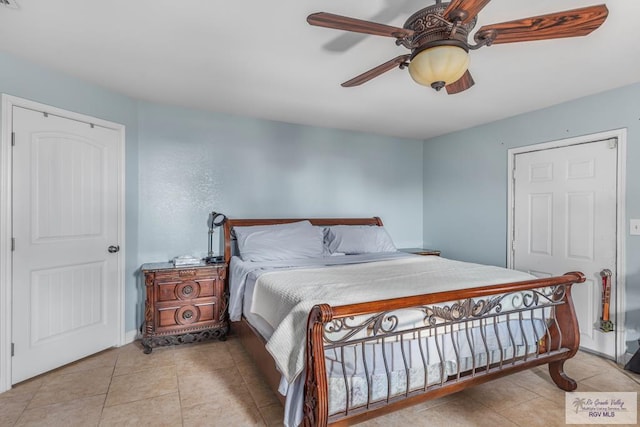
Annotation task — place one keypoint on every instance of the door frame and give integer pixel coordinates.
(6, 185)
(621, 135)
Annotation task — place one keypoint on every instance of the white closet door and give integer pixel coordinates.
(65, 217)
(565, 220)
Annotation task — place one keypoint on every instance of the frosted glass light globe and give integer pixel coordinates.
(439, 66)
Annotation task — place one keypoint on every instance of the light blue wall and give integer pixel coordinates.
(465, 175)
(193, 162)
(26, 80)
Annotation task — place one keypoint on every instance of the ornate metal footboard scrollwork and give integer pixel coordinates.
(372, 357)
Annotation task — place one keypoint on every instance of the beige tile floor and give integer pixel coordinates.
(216, 384)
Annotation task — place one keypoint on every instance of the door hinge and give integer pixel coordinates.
(13, 244)
(13, 349)
(13, 138)
(613, 143)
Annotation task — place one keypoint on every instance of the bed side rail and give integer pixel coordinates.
(380, 355)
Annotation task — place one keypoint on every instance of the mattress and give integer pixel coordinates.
(370, 372)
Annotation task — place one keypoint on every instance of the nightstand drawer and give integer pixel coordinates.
(185, 290)
(186, 315)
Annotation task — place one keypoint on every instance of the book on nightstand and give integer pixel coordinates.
(185, 260)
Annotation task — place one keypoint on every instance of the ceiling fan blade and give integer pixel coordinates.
(570, 23)
(469, 9)
(462, 84)
(376, 71)
(338, 22)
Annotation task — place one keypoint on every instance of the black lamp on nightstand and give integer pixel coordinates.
(216, 219)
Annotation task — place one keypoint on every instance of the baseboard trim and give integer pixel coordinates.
(131, 336)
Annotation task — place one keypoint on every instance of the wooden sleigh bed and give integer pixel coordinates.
(366, 359)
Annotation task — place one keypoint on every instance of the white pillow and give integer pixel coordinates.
(358, 239)
(279, 242)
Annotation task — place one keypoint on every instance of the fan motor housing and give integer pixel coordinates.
(432, 29)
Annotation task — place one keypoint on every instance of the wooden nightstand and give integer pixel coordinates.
(184, 304)
(421, 251)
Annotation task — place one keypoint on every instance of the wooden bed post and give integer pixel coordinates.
(316, 406)
(568, 338)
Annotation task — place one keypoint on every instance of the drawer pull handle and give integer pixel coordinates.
(186, 315)
(187, 289)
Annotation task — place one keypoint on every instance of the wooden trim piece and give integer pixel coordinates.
(316, 393)
(5, 244)
(458, 295)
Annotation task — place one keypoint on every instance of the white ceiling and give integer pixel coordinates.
(261, 59)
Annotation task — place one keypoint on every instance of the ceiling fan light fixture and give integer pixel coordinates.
(439, 66)
(438, 38)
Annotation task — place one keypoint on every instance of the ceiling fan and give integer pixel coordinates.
(437, 37)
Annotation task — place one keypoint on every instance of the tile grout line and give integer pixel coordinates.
(27, 405)
(244, 381)
(113, 371)
(178, 387)
(246, 384)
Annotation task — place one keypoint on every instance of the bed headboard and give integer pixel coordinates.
(230, 223)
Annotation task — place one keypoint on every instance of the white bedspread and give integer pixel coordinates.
(243, 272)
(284, 298)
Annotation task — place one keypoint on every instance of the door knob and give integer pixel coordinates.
(113, 249)
(606, 273)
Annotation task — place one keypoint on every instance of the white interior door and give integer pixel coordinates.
(65, 216)
(565, 202)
